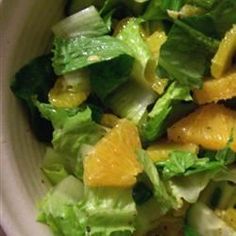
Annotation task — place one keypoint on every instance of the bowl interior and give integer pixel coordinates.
(26, 26)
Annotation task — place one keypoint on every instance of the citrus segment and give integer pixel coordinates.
(210, 126)
(109, 120)
(214, 90)
(160, 151)
(67, 96)
(113, 161)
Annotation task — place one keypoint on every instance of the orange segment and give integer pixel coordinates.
(109, 120)
(113, 161)
(160, 151)
(67, 96)
(214, 90)
(209, 126)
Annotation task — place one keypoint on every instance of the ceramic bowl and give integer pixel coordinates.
(24, 34)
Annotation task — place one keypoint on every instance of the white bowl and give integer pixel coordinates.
(24, 34)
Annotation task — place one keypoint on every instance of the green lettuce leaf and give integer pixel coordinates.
(71, 211)
(154, 124)
(123, 8)
(220, 194)
(157, 9)
(73, 6)
(131, 101)
(107, 76)
(75, 53)
(207, 4)
(160, 193)
(148, 218)
(58, 208)
(190, 187)
(176, 53)
(130, 34)
(86, 23)
(108, 211)
(226, 156)
(224, 16)
(178, 163)
(73, 128)
(187, 163)
(226, 175)
(35, 79)
(54, 166)
(203, 220)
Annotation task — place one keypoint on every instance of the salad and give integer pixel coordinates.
(136, 104)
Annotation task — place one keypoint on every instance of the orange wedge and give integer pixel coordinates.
(209, 126)
(214, 90)
(113, 162)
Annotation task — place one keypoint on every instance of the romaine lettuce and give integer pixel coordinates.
(153, 126)
(160, 193)
(205, 222)
(58, 208)
(157, 9)
(108, 211)
(72, 129)
(54, 166)
(186, 163)
(176, 54)
(131, 101)
(130, 34)
(86, 23)
(190, 187)
(75, 53)
(35, 79)
(107, 76)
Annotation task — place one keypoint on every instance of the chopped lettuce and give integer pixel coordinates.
(75, 53)
(58, 208)
(130, 34)
(125, 8)
(86, 23)
(187, 163)
(157, 9)
(71, 211)
(154, 124)
(72, 129)
(190, 187)
(226, 156)
(148, 218)
(219, 194)
(54, 166)
(229, 175)
(176, 54)
(107, 76)
(207, 4)
(108, 211)
(131, 101)
(165, 201)
(73, 6)
(205, 222)
(224, 16)
(35, 79)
